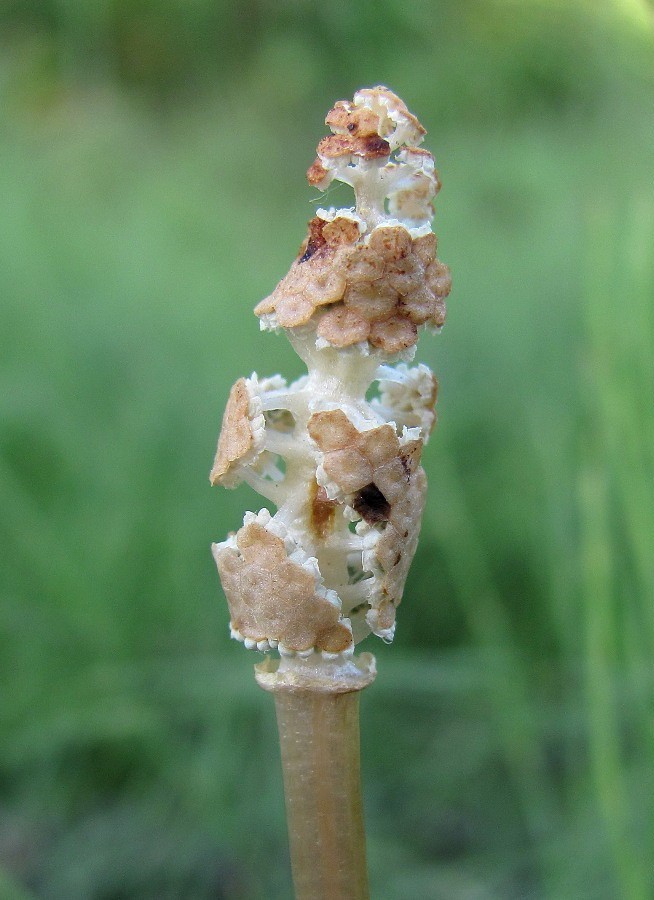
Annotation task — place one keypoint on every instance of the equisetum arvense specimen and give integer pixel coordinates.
(337, 453)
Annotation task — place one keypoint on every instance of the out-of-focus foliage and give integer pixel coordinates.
(152, 157)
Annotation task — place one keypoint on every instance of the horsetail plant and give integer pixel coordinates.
(339, 459)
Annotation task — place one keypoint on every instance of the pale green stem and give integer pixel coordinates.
(318, 722)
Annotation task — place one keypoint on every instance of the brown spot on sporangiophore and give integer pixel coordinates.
(322, 511)
(410, 457)
(356, 120)
(315, 239)
(371, 504)
(369, 146)
(373, 146)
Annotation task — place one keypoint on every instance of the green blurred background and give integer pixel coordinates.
(152, 157)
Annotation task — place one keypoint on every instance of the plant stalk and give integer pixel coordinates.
(318, 722)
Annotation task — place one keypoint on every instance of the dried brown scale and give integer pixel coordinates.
(393, 335)
(342, 327)
(386, 487)
(314, 241)
(370, 146)
(316, 277)
(397, 545)
(236, 439)
(382, 94)
(370, 461)
(272, 598)
(358, 121)
(317, 175)
(378, 291)
(395, 549)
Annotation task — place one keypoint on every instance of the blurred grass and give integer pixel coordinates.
(151, 180)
